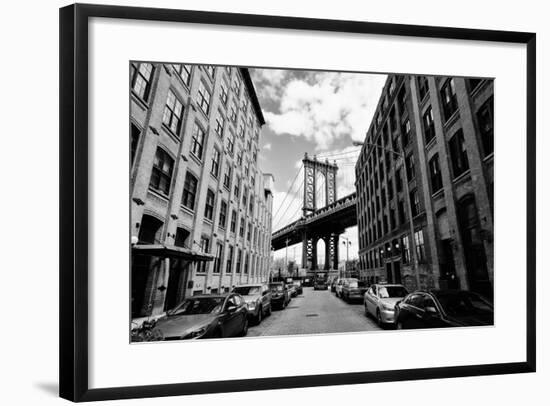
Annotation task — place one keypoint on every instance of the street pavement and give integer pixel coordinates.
(314, 312)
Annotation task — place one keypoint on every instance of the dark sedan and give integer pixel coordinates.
(280, 296)
(204, 316)
(443, 308)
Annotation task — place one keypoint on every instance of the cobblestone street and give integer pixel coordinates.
(315, 312)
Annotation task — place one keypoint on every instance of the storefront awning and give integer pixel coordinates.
(171, 251)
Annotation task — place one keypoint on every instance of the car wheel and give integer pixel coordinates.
(379, 318)
(260, 315)
(399, 326)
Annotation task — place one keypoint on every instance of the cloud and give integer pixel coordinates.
(324, 107)
(269, 82)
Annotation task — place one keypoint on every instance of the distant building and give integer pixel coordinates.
(428, 155)
(200, 206)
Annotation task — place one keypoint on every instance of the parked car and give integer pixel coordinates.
(280, 296)
(338, 287)
(298, 286)
(307, 282)
(320, 284)
(204, 316)
(258, 300)
(443, 308)
(333, 284)
(292, 290)
(380, 300)
(353, 289)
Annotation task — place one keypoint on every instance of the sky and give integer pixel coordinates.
(320, 113)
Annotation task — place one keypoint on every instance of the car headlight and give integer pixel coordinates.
(386, 306)
(197, 333)
(251, 305)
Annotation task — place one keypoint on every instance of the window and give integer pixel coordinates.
(141, 76)
(406, 132)
(245, 196)
(218, 258)
(448, 98)
(135, 133)
(401, 100)
(251, 207)
(231, 144)
(236, 189)
(247, 169)
(210, 70)
(459, 156)
(419, 241)
(173, 113)
(422, 86)
(406, 252)
(255, 156)
(415, 203)
(203, 98)
(248, 231)
(202, 266)
(229, 260)
(485, 122)
(240, 158)
(215, 170)
(189, 191)
(239, 258)
(209, 205)
(236, 85)
(428, 120)
(233, 223)
(401, 211)
(241, 228)
(220, 121)
(245, 263)
(240, 133)
(473, 83)
(185, 73)
(409, 167)
(233, 111)
(223, 214)
(161, 175)
(435, 174)
(223, 93)
(197, 141)
(398, 180)
(227, 177)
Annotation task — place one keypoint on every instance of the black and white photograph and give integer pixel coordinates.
(277, 201)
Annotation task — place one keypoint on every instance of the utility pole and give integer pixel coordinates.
(286, 254)
(347, 243)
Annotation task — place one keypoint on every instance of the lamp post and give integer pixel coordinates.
(347, 243)
(400, 154)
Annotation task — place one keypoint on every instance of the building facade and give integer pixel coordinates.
(200, 206)
(424, 182)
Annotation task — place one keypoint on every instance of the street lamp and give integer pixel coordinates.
(401, 155)
(347, 243)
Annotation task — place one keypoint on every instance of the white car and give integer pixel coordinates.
(380, 300)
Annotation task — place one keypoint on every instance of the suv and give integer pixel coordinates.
(258, 300)
(279, 294)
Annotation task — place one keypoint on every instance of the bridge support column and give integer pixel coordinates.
(329, 249)
(309, 251)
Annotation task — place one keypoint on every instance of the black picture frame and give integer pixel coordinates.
(73, 279)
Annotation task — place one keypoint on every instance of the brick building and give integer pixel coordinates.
(200, 206)
(428, 156)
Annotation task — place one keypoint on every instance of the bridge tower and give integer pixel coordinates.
(312, 169)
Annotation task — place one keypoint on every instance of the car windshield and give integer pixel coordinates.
(202, 305)
(276, 288)
(464, 304)
(248, 290)
(353, 283)
(392, 291)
